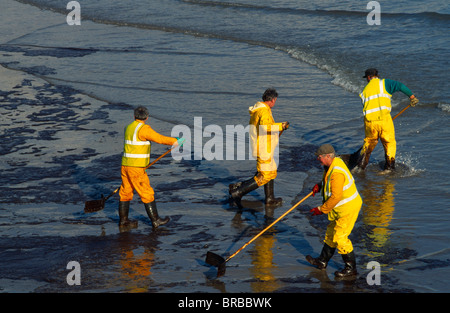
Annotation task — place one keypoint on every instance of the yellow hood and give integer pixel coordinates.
(257, 106)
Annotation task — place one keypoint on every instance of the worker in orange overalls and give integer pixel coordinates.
(264, 133)
(135, 159)
(342, 203)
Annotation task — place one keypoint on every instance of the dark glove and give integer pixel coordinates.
(315, 189)
(316, 211)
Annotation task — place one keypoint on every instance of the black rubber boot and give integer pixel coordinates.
(363, 160)
(390, 164)
(322, 261)
(152, 213)
(124, 222)
(238, 190)
(270, 198)
(350, 266)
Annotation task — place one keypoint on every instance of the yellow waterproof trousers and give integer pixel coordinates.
(340, 228)
(380, 130)
(135, 178)
(267, 170)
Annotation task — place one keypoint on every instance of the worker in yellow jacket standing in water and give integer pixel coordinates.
(264, 134)
(378, 124)
(135, 159)
(342, 203)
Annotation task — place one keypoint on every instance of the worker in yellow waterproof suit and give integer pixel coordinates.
(378, 124)
(135, 159)
(264, 134)
(342, 203)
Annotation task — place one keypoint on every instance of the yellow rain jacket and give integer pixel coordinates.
(342, 203)
(264, 135)
(378, 122)
(135, 159)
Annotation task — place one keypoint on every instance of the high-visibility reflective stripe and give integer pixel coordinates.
(349, 189)
(349, 178)
(136, 156)
(327, 189)
(137, 143)
(136, 152)
(376, 103)
(344, 201)
(136, 131)
(379, 95)
(384, 95)
(377, 109)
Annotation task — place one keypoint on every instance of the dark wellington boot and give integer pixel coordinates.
(233, 187)
(363, 160)
(124, 222)
(242, 189)
(270, 198)
(322, 261)
(152, 213)
(390, 164)
(350, 266)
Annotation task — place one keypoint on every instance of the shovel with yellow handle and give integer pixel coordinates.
(218, 261)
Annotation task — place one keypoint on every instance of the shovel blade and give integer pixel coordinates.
(221, 269)
(94, 205)
(216, 260)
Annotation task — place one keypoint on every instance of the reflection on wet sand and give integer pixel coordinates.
(263, 264)
(134, 263)
(377, 214)
(136, 269)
